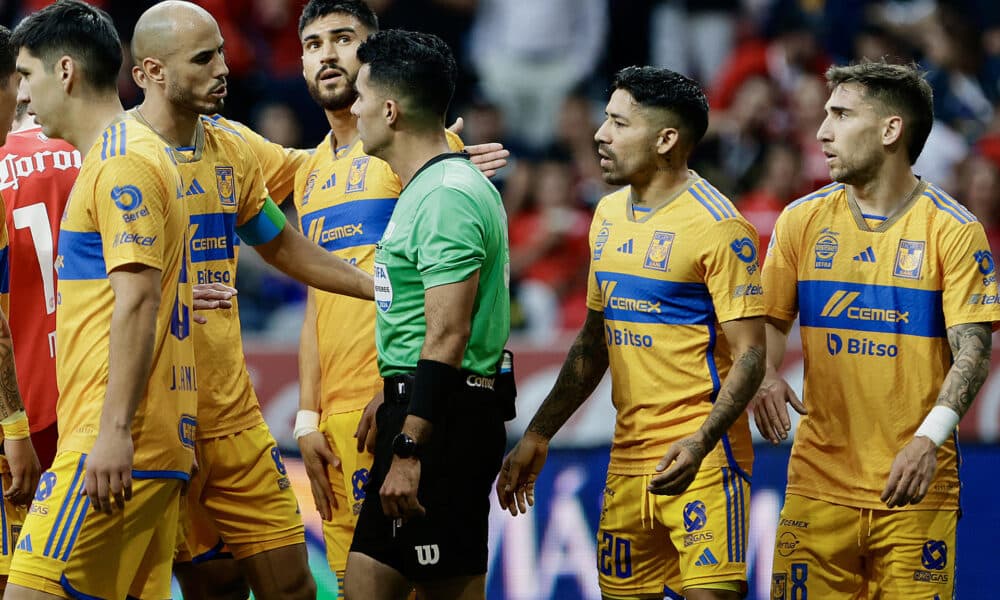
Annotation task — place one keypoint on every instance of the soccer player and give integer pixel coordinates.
(125, 362)
(442, 320)
(344, 199)
(675, 309)
(36, 176)
(19, 465)
(895, 289)
(241, 494)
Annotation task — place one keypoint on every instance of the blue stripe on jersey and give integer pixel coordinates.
(82, 255)
(722, 200)
(634, 299)
(212, 554)
(215, 123)
(349, 225)
(726, 478)
(70, 493)
(874, 217)
(670, 594)
(121, 139)
(944, 207)
(822, 192)
(949, 205)
(951, 200)
(104, 146)
(76, 530)
(872, 308)
(70, 521)
(183, 476)
(73, 592)
(704, 202)
(5, 271)
(3, 523)
(741, 523)
(213, 237)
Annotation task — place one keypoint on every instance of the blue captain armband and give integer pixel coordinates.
(264, 227)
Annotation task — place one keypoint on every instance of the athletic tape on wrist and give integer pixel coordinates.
(939, 424)
(306, 422)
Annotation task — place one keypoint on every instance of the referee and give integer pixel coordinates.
(443, 317)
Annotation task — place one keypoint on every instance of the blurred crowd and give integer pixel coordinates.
(535, 77)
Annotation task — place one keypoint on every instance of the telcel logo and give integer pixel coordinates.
(862, 347)
(842, 300)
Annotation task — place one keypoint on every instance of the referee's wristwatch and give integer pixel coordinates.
(405, 446)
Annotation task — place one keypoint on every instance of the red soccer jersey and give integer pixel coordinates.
(36, 175)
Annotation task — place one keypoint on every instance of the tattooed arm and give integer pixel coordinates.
(913, 469)
(746, 338)
(20, 453)
(582, 370)
(10, 396)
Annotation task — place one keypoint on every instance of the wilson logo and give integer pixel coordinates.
(428, 554)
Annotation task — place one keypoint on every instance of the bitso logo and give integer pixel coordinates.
(834, 344)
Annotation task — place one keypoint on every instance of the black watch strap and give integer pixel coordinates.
(405, 446)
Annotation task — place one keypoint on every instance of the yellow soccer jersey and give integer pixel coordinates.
(665, 280)
(279, 164)
(225, 195)
(874, 306)
(126, 208)
(345, 199)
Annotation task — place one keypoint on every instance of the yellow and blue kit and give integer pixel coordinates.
(125, 209)
(665, 279)
(875, 297)
(239, 461)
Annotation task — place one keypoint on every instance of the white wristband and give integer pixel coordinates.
(939, 424)
(306, 422)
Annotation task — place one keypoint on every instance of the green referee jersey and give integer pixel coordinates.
(449, 223)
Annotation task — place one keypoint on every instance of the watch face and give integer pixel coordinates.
(404, 446)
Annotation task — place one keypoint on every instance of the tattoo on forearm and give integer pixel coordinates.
(971, 345)
(739, 388)
(581, 372)
(10, 396)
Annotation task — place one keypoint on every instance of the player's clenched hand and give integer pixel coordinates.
(769, 411)
(109, 470)
(318, 457)
(521, 466)
(911, 473)
(367, 426)
(683, 459)
(211, 296)
(399, 490)
(24, 470)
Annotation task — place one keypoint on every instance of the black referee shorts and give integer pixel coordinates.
(458, 467)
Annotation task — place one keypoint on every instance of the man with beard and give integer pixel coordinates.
(344, 199)
(675, 311)
(895, 289)
(241, 495)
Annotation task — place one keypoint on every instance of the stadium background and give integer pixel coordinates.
(534, 76)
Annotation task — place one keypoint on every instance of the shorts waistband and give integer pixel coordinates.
(398, 388)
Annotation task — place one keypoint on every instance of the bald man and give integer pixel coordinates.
(241, 497)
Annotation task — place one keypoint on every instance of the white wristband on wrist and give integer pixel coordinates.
(306, 422)
(939, 425)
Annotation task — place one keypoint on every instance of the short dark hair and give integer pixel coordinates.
(317, 9)
(8, 54)
(78, 29)
(671, 91)
(416, 66)
(900, 89)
